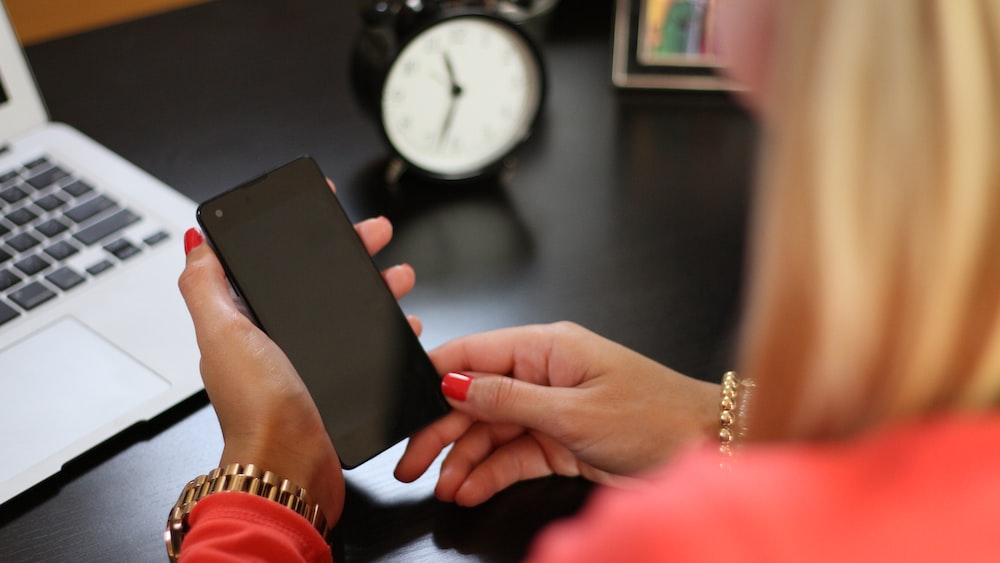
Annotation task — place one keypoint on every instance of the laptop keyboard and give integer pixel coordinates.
(57, 232)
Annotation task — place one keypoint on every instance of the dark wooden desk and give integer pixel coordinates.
(625, 213)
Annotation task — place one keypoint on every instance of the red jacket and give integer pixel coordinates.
(927, 491)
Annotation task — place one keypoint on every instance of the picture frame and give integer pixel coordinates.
(667, 44)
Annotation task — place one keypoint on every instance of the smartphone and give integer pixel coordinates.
(293, 256)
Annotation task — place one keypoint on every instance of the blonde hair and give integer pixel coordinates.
(874, 292)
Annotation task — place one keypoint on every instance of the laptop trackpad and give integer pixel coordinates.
(81, 381)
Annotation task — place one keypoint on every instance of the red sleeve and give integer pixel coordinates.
(241, 527)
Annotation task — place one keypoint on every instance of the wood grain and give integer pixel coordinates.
(41, 20)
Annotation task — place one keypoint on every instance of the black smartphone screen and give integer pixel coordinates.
(292, 254)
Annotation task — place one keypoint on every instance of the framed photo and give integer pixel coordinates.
(667, 44)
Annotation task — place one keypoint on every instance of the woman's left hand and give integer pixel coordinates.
(555, 399)
(266, 413)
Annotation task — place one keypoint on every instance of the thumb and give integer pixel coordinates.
(497, 398)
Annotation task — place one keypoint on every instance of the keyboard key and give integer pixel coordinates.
(3, 230)
(13, 194)
(31, 295)
(22, 242)
(122, 249)
(85, 211)
(4, 256)
(100, 267)
(156, 238)
(52, 227)
(106, 227)
(78, 188)
(32, 264)
(7, 313)
(21, 216)
(48, 177)
(7, 279)
(37, 163)
(65, 278)
(61, 250)
(8, 176)
(50, 202)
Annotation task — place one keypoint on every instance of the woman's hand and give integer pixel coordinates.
(267, 416)
(568, 402)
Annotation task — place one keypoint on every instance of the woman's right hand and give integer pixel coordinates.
(267, 415)
(553, 399)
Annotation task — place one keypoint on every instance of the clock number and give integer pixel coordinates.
(458, 36)
(508, 57)
(432, 44)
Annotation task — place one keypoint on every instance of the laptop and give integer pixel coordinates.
(94, 335)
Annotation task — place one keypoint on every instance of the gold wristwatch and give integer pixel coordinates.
(245, 479)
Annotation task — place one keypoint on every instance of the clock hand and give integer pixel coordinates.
(436, 77)
(456, 90)
(448, 119)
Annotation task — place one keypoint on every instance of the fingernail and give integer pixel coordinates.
(456, 385)
(192, 238)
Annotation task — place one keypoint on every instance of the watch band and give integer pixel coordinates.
(238, 478)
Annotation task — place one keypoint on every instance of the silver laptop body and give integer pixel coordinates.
(94, 335)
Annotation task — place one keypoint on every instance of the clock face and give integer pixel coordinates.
(461, 95)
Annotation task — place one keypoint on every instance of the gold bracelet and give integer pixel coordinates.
(246, 479)
(732, 411)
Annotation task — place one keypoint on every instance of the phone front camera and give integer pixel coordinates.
(218, 213)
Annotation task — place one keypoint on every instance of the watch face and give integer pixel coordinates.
(461, 95)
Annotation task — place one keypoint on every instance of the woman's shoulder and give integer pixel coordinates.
(944, 452)
(914, 489)
(925, 487)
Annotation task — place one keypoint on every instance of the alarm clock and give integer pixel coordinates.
(455, 87)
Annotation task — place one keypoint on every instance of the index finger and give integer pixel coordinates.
(522, 352)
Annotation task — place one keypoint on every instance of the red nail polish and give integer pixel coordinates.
(456, 385)
(192, 238)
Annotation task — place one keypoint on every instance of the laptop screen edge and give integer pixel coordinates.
(24, 109)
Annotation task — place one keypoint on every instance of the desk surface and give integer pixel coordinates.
(625, 213)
